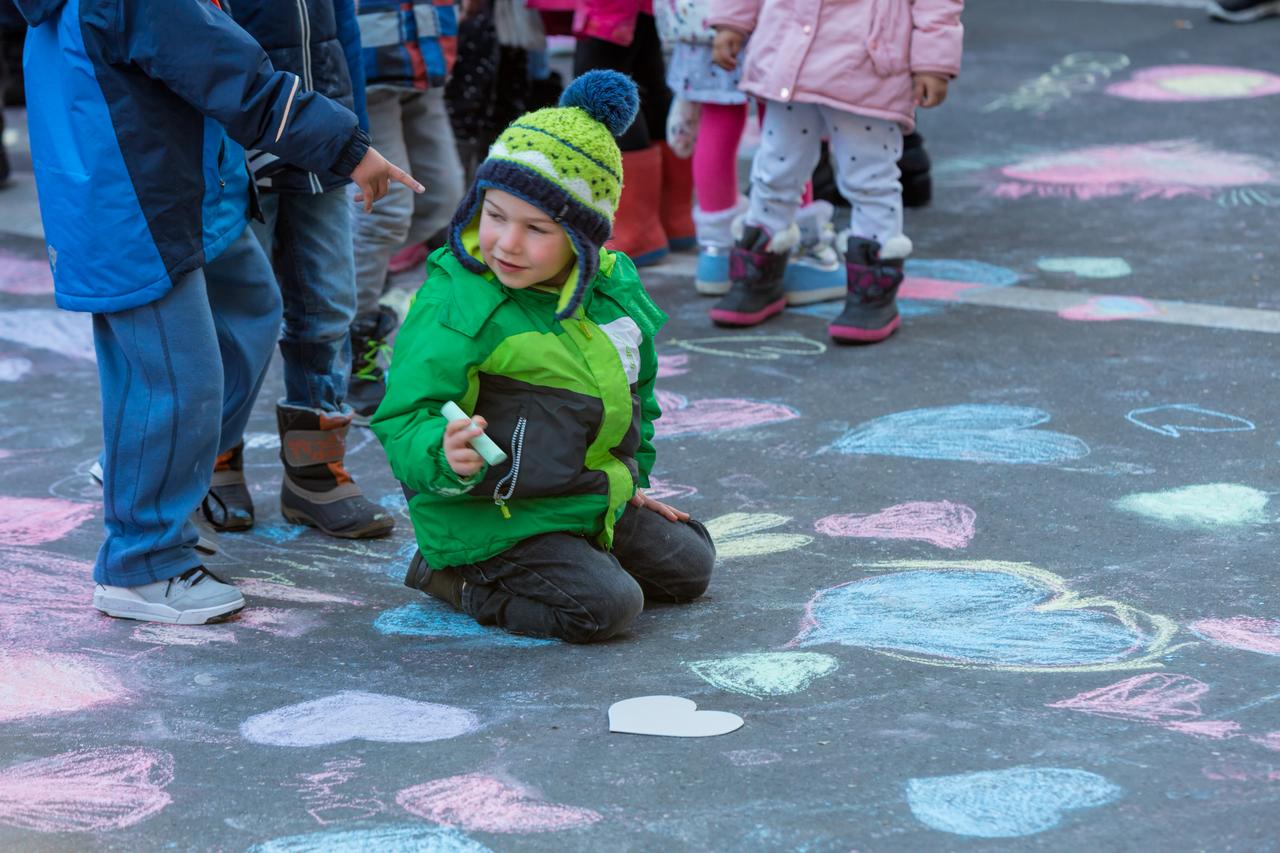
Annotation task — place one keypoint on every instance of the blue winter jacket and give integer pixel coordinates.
(320, 42)
(138, 111)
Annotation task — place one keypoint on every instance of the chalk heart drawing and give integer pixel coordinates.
(669, 716)
(765, 673)
(64, 332)
(940, 523)
(681, 416)
(259, 588)
(23, 276)
(162, 634)
(479, 803)
(984, 615)
(1164, 699)
(1010, 803)
(1248, 633)
(1187, 83)
(753, 347)
(356, 715)
(664, 491)
(1150, 170)
(91, 790)
(1102, 309)
(1177, 419)
(673, 365)
(1087, 267)
(404, 838)
(1211, 506)
(929, 284)
(739, 534)
(439, 622)
(965, 433)
(13, 369)
(43, 684)
(35, 521)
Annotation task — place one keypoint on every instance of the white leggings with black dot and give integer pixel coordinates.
(864, 155)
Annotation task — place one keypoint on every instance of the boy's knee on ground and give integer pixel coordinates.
(611, 615)
(697, 556)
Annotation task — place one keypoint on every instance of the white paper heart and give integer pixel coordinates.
(669, 716)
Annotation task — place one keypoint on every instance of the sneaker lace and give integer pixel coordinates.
(369, 368)
(192, 577)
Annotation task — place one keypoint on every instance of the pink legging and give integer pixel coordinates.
(715, 157)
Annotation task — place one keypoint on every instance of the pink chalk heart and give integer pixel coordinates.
(1102, 309)
(940, 523)
(1152, 697)
(669, 716)
(91, 790)
(38, 685)
(1242, 632)
(24, 276)
(354, 714)
(682, 417)
(35, 521)
(1187, 83)
(46, 599)
(479, 803)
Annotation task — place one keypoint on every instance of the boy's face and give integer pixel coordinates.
(521, 244)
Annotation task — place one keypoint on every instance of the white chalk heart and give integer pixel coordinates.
(669, 716)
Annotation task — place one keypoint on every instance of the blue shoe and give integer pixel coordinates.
(715, 242)
(814, 273)
(713, 271)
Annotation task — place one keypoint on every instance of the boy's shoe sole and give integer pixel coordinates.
(854, 335)
(146, 612)
(1244, 16)
(373, 530)
(739, 319)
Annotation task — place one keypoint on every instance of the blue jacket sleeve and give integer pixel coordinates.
(349, 34)
(227, 76)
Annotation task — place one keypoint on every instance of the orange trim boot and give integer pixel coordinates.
(637, 227)
(676, 210)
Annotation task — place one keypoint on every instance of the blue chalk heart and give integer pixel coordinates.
(421, 620)
(1006, 803)
(1175, 419)
(393, 838)
(978, 618)
(967, 433)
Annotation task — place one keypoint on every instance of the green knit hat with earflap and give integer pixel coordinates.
(564, 161)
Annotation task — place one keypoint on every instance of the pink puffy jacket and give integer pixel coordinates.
(854, 55)
(610, 20)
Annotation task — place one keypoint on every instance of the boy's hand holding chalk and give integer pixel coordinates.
(466, 447)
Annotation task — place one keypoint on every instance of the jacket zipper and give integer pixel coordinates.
(304, 20)
(513, 476)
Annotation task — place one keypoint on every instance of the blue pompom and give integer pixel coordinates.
(607, 96)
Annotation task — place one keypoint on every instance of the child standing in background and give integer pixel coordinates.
(709, 106)
(854, 73)
(409, 47)
(547, 340)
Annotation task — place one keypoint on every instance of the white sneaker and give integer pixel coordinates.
(194, 597)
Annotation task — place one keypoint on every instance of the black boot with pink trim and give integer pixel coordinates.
(870, 306)
(757, 263)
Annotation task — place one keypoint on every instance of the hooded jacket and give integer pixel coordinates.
(137, 135)
(570, 402)
(317, 40)
(854, 55)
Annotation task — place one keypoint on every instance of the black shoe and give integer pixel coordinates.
(444, 584)
(370, 351)
(917, 185)
(316, 489)
(1243, 11)
(870, 307)
(228, 505)
(757, 264)
(4, 161)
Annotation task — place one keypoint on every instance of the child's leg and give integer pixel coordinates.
(671, 560)
(380, 233)
(790, 143)
(865, 154)
(715, 156)
(554, 585)
(433, 159)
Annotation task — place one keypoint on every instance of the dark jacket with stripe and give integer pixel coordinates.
(410, 43)
(318, 40)
(138, 111)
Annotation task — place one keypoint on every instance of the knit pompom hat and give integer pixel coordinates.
(564, 161)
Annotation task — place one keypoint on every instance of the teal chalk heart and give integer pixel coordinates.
(1206, 507)
(967, 433)
(1009, 803)
(765, 673)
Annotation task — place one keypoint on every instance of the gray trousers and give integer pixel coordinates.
(864, 156)
(411, 129)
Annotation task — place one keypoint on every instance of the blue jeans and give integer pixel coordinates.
(178, 379)
(308, 238)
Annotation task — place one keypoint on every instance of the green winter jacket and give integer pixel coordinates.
(570, 402)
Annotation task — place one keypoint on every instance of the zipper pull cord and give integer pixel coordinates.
(517, 448)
